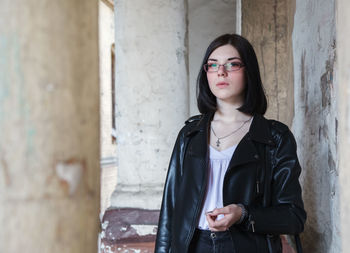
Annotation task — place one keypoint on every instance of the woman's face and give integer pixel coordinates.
(226, 85)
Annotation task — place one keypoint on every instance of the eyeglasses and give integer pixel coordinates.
(229, 66)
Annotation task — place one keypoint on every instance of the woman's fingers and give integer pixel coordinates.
(222, 222)
(224, 210)
(217, 225)
(218, 211)
(211, 221)
(231, 215)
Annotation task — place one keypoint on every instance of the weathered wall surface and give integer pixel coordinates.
(343, 90)
(49, 126)
(315, 122)
(268, 26)
(206, 21)
(151, 96)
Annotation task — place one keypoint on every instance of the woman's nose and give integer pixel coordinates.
(222, 71)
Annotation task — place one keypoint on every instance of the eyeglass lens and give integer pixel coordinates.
(230, 66)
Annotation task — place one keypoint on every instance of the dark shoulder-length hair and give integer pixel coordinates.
(255, 101)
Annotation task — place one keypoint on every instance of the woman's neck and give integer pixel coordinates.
(228, 112)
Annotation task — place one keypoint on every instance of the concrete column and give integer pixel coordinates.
(315, 123)
(49, 126)
(151, 96)
(268, 25)
(343, 66)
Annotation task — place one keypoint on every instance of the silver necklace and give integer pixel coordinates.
(220, 138)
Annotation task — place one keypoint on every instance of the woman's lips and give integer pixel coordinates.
(221, 84)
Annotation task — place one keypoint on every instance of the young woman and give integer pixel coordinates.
(233, 178)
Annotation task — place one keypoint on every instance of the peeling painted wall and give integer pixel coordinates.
(315, 122)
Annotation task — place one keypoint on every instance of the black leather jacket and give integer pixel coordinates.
(263, 175)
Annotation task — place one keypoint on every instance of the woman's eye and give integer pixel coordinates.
(212, 65)
(235, 64)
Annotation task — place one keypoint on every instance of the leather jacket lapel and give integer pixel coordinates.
(199, 137)
(245, 152)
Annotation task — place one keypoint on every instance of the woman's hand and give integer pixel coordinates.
(232, 213)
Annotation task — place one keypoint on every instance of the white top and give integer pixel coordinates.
(218, 163)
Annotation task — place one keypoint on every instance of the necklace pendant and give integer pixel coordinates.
(218, 143)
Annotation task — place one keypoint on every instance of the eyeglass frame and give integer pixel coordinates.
(241, 65)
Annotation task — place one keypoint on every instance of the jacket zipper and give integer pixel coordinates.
(252, 225)
(198, 206)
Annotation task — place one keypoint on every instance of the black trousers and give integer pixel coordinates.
(205, 241)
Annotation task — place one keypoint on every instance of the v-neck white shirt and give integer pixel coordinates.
(218, 164)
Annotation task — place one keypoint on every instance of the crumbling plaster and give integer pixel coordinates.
(315, 121)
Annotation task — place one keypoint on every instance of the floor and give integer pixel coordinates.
(147, 247)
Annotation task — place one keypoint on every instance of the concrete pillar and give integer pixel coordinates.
(152, 105)
(343, 66)
(315, 123)
(49, 126)
(268, 25)
(151, 96)
(206, 21)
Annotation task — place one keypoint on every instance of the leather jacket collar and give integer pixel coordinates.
(258, 131)
(245, 152)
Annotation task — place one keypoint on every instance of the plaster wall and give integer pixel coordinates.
(343, 91)
(49, 126)
(316, 121)
(206, 21)
(151, 96)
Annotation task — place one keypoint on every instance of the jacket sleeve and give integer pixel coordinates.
(286, 214)
(163, 240)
